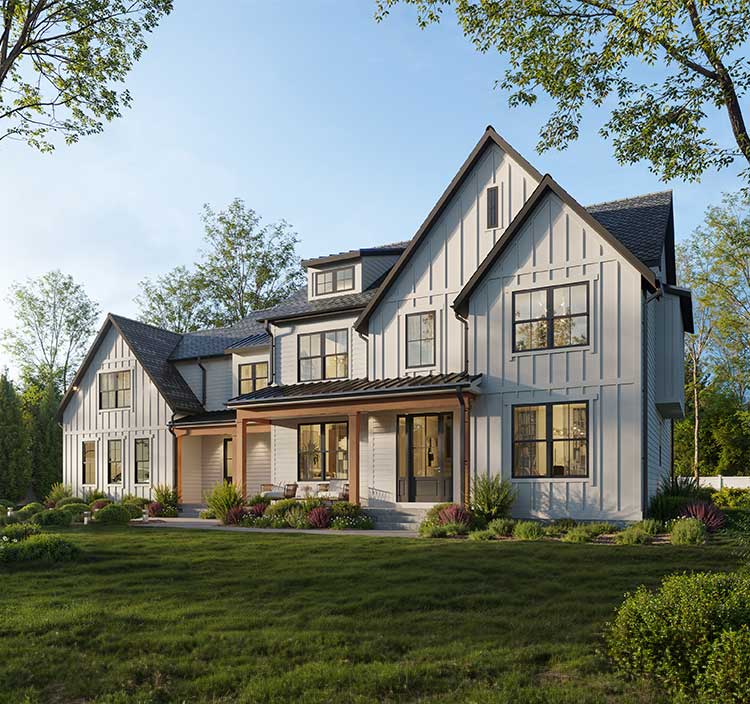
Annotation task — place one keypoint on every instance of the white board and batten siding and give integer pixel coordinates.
(147, 417)
(444, 261)
(556, 247)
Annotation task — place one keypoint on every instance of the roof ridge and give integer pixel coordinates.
(140, 322)
(621, 200)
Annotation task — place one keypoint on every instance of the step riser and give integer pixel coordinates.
(397, 519)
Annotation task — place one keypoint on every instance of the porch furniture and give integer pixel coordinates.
(271, 491)
(290, 491)
(335, 490)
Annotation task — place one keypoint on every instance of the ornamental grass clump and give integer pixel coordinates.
(528, 530)
(491, 498)
(168, 498)
(297, 517)
(633, 535)
(257, 510)
(688, 531)
(320, 517)
(454, 513)
(56, 493)
(709, 514)
(502, 527)
(222, 498)
(235, 515)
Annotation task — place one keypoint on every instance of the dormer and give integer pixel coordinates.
(349, 272)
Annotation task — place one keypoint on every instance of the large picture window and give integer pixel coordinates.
(420, 339)
(552, 317)
(142, 461)
(334, 281)
(253, 377)
(323, 451)
(114, 390)
(114, 461)
(88, 462)
(551, 440)
(323, 355)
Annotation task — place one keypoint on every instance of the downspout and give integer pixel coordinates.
(644, 396)
(465, 323)
(366, 338)
(271, 364)
(203, 382)
(170, 428)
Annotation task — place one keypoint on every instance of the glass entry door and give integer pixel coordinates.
(425, 458)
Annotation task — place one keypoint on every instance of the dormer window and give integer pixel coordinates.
(334, 281)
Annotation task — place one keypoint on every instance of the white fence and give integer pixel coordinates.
(719, 482)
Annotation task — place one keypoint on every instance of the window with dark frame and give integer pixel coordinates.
(114, 461)
(334, 281)
(88, 462)
(420, 339)
(228, 460)
(553, 317)
(114, 390)
(550, 440)
(253, 377)
(323, 355)
(322, 451)
(142, 460)
(493, 214)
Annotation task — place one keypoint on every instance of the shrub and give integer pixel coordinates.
(311, 503)
(134, 510)
(67, 501)
(670, 634)
(221, 499)
(113, 514)
(431, 519)
(706, 512)
(263, 522)
(320, 517)
(47, 547)
(359, 522)
(727, 674)
(732, 498)
(135, 500)
(57, 492)
(98, 504)
(345, 509)
(688, 531)
(445, 530)
(482, 535)
(665, 507)
(53, 517)
(5, 504)
(206, 514)
(579, 534)
(167, 497)
(454, 513)
(29, 510)
(258, 499)
(234, 515)
(528, 530)
(650, 526)
(633, 535)
(6, 520)
(258, 509)
(492, 498)
(502, 527)
(296, 517)
(155, 509)
(90, 496)
(19, 531)
(280, 508)
(564, 523)
(76, 511)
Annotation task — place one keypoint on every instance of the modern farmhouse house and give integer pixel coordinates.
(517, 333)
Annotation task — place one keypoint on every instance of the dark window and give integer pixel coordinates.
(323, 355)
(253, 377)
(228, 460)
(114, 461)
(142, 461)
(551, 440)
(334, 281)
(420, 339)
(323, 451)
(88, 468)
(493, 219)
(553, 317)
(114, 390)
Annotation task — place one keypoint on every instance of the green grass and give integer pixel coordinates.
(157, 616)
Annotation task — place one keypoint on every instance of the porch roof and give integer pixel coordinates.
(207, 418)
(357, 388)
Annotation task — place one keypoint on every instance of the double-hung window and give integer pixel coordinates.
(334, 281)
(323, 355)
(114, 461)
(114, 390)
(420, 339)
(142, 461)
(550, 318)
(253, 377)
(323, 451)
(551, 440)
(88, 462)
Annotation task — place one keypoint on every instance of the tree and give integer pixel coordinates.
(54, 321)
(40, 402)
(61, 60)
(246, 266)
(669, 65)
(15, 467)
(175, 301)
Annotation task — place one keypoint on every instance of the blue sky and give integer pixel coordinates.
(309, 111)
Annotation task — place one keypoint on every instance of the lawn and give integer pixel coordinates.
(190, 616)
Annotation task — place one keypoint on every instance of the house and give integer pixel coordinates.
(517, 333)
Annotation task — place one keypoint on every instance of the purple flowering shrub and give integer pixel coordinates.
(320, 517)
(455, 513)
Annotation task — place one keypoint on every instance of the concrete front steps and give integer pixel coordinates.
(397, 518)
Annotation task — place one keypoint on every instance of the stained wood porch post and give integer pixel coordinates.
(179, 466)
(239, 450)
(354, 428)
(467, 449)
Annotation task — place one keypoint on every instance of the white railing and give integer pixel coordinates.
(719, 482)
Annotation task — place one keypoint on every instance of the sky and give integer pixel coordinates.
(309, 111)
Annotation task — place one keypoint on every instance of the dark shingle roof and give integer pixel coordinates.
(381, 249)
(640, 223)
(152, 347)
(207, 418)
(355, 387)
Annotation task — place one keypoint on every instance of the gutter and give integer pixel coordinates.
(465, 323)
(271, 359)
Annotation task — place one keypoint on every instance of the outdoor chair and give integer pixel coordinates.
(271, 491)
(335, 490)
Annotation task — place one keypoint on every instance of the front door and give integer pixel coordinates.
(425, 457)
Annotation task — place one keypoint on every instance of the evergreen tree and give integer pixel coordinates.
(15, 465)
(40, 402)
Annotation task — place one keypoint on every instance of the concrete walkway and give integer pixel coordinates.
(212, 524)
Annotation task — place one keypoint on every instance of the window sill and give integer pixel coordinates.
(554, 350)
(557, 480)
(112, 410)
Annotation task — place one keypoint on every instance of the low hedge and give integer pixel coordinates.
(113, 514)
(44, 547)
(4, 503)
(134, 511)
(68, 501)
(29, 510)
(19, 531)
(53, 517)
(76, 510)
